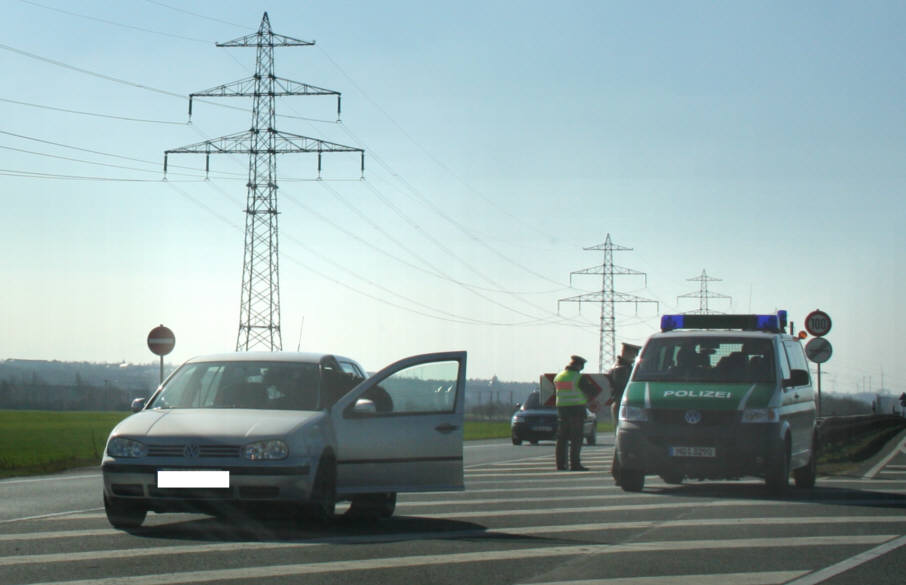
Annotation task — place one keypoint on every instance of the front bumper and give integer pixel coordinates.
(738, 449)
(137, 482)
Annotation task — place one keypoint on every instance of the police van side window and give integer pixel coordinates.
(784, 363)
(796, 356)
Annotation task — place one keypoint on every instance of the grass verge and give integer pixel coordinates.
(35, 442)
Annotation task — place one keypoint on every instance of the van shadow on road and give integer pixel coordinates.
(824, 495)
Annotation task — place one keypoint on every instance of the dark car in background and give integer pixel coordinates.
(535, 422)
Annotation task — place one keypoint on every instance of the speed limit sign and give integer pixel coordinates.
(818, 323)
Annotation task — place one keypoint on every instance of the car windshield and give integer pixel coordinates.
(257, 385)
(712, 359)
(533, 402)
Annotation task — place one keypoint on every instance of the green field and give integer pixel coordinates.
(33, 442)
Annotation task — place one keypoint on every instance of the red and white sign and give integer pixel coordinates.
(818, 323)
(161, 341)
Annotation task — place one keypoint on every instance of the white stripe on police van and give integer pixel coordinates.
(264, 572)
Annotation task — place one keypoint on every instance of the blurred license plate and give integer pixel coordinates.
(193, 479)
(543, 428)
(693, 452)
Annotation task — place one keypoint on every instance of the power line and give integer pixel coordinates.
(94, 114)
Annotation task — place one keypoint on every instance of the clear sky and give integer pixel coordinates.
(762, 142)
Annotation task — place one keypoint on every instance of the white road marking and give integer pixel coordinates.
(5, 482)
(762, 578)
(247, 573)
(46, 516)
(850, 563)
(880, 465)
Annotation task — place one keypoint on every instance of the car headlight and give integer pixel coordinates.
(760, 415)
(122, 447)
(266, 450)
(633, 413)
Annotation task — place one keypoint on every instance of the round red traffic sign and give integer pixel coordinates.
(818, 323)
(161, 340)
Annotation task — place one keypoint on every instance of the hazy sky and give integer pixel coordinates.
(762, 142)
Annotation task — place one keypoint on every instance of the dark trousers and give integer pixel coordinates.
(569, 433)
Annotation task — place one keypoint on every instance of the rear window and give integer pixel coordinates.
(711, 359)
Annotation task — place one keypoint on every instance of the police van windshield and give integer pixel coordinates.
(712, 359)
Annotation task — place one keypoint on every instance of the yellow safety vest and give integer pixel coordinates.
(566, 383)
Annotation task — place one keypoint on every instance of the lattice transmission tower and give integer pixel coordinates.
(259, 312)
(608, 297)
(703, 294)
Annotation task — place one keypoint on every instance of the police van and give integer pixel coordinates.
(718, 397)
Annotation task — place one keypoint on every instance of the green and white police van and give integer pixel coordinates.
(718, 397)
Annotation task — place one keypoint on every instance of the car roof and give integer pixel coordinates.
(269, 356)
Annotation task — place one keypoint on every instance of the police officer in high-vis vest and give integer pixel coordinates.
(571, 404)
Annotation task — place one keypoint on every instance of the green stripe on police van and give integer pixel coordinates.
(699, 395)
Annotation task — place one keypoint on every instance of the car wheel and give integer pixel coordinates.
(805, 476)
(123, 515)
(323, 500)
(377, 506)
(632, 480)
(517, 440)
(591, 439)
(777, 474)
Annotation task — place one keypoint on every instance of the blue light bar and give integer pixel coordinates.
(774, 323)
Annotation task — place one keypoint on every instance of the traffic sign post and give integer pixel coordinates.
(819, 350)
(161, 341)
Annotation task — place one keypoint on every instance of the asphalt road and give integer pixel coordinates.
(519, 521)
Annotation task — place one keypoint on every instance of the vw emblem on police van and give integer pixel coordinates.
(693, 417)
(191, 451)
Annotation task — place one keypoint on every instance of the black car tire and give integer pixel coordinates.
(517, 440)
(805, 476)
(632, 480)
(322, 504)
(124, 515)
(591, 439)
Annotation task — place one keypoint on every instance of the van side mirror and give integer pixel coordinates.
(138, 404)
(797, 378)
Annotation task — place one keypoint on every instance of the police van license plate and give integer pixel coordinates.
(693, 452)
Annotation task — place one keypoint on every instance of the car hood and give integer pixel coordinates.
(706, 396)
(214, 423)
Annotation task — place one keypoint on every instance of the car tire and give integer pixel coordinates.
(591, 439)
(777, 474)
(517, 440)
(373, 506)
(124, 515)
(322, 503)
(632, 480)
(805, 476)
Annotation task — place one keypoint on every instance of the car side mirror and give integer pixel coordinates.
(797, 378)
(363, 407)
(138, 404)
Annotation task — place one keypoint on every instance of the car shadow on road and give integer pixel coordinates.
(820, 494)
(246, 526)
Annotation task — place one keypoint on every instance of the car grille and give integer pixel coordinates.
(205, 451)
(709, 418)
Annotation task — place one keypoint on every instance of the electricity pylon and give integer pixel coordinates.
(703, 295)
(608, 297)
(259, 310)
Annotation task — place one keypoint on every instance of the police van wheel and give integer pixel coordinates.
(805, 476)
(632, 480)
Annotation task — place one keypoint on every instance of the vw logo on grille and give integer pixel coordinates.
(191, 451)
(693, 417)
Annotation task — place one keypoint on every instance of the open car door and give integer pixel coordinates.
(401, 430)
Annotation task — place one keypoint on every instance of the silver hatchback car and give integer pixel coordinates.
(297, 430)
